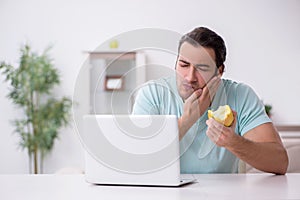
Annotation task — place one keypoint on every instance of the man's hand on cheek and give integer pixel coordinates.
(196, 104)
(209, 91)
(191, 108)
(191, 112)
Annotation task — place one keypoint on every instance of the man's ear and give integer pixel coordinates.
(221, 70)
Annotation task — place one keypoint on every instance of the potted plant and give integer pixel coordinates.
(268, 109)
(30, 89)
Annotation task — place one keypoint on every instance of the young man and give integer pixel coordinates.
(206, 145)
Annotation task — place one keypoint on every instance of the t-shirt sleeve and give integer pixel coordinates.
(251, 111)
(145, 101)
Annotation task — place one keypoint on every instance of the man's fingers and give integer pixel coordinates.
(212, 87)
(196, 94)
(235, 119)
(216, 131)
(213, 81)
(212, 132)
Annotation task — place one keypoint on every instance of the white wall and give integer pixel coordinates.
(262, 39)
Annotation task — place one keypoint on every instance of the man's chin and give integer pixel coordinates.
(186, 95)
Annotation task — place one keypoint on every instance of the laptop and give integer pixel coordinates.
(132, 150)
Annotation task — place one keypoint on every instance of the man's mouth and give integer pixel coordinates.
(189, 86)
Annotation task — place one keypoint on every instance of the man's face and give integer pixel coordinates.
(195, 66)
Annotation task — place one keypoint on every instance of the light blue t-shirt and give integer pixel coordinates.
(198, 153)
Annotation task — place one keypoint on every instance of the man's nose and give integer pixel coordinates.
(191, 77)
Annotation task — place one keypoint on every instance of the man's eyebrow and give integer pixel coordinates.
(186, 62)
(201, 65)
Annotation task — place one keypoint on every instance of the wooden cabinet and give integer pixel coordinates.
(114, 78)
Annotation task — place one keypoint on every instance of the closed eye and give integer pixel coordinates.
(184, 63)
(201, 67)
(198, 67)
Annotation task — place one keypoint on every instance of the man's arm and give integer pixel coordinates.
(269, 155)
(261, 147)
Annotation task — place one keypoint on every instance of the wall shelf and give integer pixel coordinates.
(288, 128)
(289, 131)
(120, 55)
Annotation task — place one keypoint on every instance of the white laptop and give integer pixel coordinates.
(132, 150)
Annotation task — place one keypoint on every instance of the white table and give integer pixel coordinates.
(208, 186)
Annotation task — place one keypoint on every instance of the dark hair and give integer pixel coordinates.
(205, 37)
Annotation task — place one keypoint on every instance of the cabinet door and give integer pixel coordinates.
(292, 146)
